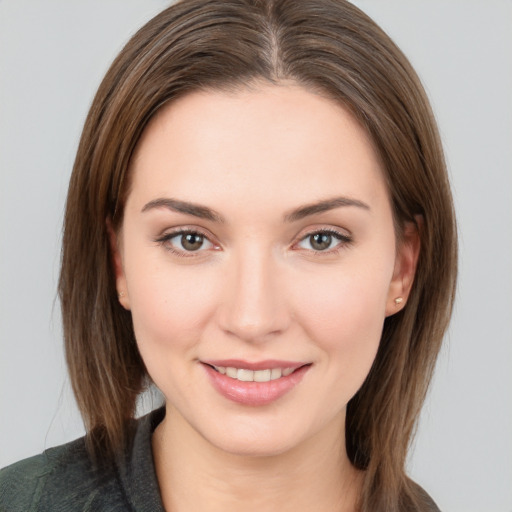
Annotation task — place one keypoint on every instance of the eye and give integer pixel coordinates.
(183, 242)
(323, 241)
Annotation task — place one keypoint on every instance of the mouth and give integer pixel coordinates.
(255, 383)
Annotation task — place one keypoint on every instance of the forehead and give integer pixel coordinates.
(268, 144)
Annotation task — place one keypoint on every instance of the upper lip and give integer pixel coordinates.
(268, 364)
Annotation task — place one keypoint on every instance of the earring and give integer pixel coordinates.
(399, 301)
(120, 295)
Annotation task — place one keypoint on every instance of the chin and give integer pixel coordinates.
(267, 435)
(255, 446)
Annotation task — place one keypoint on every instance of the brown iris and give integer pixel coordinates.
(320, 241)
(192, 241)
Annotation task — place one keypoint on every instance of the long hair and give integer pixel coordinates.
(328, 46)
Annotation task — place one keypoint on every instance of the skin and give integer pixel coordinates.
(258, 288)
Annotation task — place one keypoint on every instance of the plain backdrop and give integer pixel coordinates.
(53, 54)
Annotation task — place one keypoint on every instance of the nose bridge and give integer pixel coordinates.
(254, 307)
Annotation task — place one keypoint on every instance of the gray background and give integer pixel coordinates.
(52, 57)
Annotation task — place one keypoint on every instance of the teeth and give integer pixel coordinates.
(262, 375)
(275, 373)
(244, 375)
(231, 372)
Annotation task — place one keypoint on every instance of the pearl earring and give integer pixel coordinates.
(399, 300)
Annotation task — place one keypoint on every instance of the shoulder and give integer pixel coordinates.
(64, 478)
(61, 478)
(423, 501)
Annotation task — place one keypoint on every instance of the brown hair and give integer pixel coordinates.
(324, 45)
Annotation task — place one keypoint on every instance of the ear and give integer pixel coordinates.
(117, 263)
(405, 267)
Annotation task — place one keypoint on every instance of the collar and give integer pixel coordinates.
(136, 468)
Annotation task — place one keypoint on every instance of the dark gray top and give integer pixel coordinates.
(63, 479)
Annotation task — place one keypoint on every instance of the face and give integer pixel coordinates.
(258, 258)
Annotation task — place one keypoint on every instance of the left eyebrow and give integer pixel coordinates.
(323, 206)
(196, 210)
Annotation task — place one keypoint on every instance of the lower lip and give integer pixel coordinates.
(254, 393)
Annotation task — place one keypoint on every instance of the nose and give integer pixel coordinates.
(254, 308)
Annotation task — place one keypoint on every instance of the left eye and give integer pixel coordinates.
(189, 242)
(322, 241)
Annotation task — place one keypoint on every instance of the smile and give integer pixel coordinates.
(254, 384)
(245, 375)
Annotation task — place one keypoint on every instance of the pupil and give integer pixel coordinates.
(191, 241)
(320, 241)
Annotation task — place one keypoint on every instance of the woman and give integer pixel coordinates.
(259, 222)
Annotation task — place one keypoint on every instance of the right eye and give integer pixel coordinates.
(185, 242)
(324, 241)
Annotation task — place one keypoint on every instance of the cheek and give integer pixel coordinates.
(169, 305)
(343, 314)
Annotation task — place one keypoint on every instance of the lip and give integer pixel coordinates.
(254, 393)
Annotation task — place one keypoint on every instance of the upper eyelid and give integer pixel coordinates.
(171, 232)
(343, 233)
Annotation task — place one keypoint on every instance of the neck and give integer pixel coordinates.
(195, 475)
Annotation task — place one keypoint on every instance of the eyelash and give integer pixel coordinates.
(343, 241)
(165, 239)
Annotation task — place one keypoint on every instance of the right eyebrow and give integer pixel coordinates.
(323, 206)
(197, 210)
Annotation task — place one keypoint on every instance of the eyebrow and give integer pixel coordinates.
(323, 206)
(204, 212)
